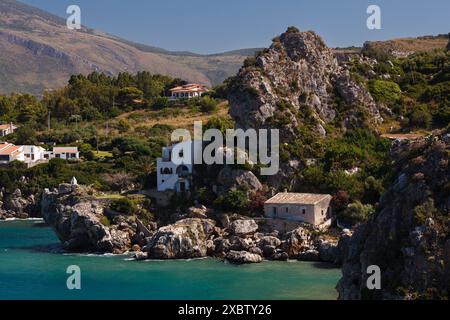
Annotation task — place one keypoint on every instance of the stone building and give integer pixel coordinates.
(303, 207)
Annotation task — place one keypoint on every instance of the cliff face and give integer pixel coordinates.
(76, 219)
(296, 81)
(409, 236)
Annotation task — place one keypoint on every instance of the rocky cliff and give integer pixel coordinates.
(408, 237)
(80, 224)
(298, 83)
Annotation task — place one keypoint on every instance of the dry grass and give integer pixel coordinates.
(183, 118)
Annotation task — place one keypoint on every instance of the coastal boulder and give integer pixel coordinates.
(297, 241)
(243, 227)
(241, 257)
(184, 239)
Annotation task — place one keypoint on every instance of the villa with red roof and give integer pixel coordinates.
(32, 155)
(188, 91)
(10, 152)
(6, 129)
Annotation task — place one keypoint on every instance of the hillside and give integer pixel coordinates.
(38, 52)
(404, 47)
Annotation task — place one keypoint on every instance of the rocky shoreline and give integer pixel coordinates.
(84, 224)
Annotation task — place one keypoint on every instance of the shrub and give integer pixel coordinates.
(208, 105)
(424, 211)
(234, 200)
(356, 212)
(384, 91)
(420, 117)
(125, 206)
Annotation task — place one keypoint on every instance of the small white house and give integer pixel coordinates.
(303, 207)
(177, 174)
(65, 153)
(6, 129)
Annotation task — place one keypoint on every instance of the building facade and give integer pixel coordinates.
(177, 175)
(302, 207)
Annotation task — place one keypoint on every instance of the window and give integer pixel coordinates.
(274, 211)
(286, 209)
(303, 211)
(323, 213)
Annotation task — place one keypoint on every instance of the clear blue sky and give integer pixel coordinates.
(211, 26)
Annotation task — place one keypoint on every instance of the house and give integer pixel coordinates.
(31, 155)
(65, 153)
(188, 91)
(10, 152)
(6, 129)
(177, 176)
(303, 207)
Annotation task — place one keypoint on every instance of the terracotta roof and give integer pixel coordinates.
(297, 198)
(65, 149)
(191, 87)
(8, 149)
(5, 126)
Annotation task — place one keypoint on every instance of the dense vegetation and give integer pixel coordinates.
(416, 89)
(113, 121)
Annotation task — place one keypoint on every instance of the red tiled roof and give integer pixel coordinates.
(10, 149)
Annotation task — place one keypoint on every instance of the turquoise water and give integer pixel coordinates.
(30, 268)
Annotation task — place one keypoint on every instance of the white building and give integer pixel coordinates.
(10, 152)
(188, 91)
(177, 175)
(303, 207)
(65, 153)
(33, 153)
(6, 129)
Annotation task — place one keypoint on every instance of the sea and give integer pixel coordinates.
(32, 266)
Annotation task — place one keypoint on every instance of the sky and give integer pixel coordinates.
(213, 26)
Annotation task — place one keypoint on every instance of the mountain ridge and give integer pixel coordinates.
(40, 53)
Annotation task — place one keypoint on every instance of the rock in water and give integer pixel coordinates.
(76, 221)
(296, 241)
(241, 257)
(182, 240)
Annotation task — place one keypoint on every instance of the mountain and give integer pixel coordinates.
(38, 52)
